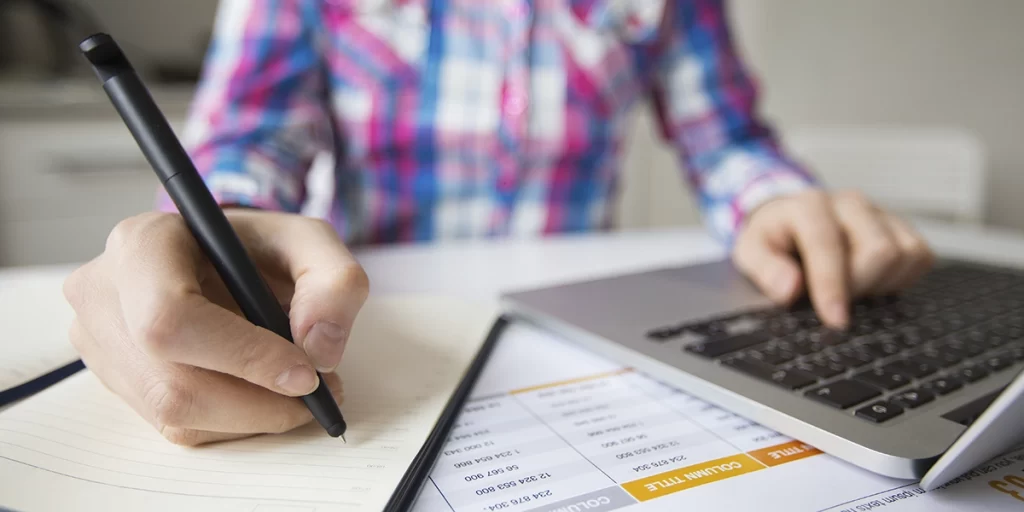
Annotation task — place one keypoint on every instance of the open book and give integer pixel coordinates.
(406, 358)
(35, 340)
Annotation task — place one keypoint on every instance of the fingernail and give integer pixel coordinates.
(298, 380)
(839, 313)
(325, 344)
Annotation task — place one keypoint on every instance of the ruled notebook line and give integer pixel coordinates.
(79, 430)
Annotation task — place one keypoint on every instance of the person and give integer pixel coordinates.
(447, 119)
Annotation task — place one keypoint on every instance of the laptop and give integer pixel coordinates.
(923, 385)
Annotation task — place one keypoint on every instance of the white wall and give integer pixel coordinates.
(944, 62)
(164, 29)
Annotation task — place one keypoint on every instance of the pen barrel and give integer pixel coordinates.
(148, 125)
(202, 214)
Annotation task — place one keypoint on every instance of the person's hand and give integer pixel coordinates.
(838, 246)
(156, 324)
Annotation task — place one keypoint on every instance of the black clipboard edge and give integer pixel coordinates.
(409, 487)
(40, 383)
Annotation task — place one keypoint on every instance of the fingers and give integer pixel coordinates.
(168, 318)
(847, 248)
(818, 237)
(771, 266)
(208, 407)
(189, 406)
(917, 258)
(875, 258)
(330, 286)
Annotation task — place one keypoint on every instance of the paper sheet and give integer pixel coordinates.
(404, 360)
(554, 428)
(34, 344)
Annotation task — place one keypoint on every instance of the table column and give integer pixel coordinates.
(502, 457)
(767, 446)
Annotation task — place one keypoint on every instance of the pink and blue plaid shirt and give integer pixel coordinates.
(476, 118)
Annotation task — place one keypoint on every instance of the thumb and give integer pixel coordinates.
(770, 266)
(330, 285)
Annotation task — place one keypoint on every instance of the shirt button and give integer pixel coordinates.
(515, 105)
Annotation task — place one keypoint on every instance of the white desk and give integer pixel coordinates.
(485, 269)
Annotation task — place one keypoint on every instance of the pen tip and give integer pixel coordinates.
(344, 440)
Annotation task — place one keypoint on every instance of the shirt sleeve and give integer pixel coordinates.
(259, 118)
(705, 101)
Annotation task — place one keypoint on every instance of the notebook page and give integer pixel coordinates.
(35, 343)
(405, 358)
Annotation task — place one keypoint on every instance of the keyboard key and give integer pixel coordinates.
(715, 329)
(910, 368)
(1016, 353)
(855, 356)
(789, 379)
(1004, 329)
(714, 349)
(943, 385)
(967, 347)
(828, 337)
(913, 398)
(971, 373)
(883, 379)
(823, 368)
(938, 358)
(783, 325)
(882, 348)
(997, 362)
(843, 394)
(771, 355)
(666, 333)
(880, 411)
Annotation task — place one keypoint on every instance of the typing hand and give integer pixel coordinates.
(848, 248)
(156, 324)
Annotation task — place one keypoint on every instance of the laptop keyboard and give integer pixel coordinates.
(961, 324)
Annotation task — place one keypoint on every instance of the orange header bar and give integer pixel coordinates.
(691, 476)
(573, 381)
(783, 453)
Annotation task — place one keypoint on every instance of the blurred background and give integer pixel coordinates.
(917, 102)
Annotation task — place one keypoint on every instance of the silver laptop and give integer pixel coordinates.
(924, 385)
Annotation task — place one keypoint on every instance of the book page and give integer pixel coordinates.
(403, 362)
(35, 343)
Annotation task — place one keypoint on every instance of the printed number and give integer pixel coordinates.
(1012, 485)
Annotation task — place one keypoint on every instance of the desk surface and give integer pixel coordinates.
(484, 269)
(487, 268)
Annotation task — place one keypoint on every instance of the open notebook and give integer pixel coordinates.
(405, 361)
(34, 342)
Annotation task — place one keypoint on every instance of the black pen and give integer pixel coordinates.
(203, 215)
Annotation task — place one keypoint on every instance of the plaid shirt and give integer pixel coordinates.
(470, 118)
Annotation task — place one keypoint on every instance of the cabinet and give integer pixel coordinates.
(64, 183)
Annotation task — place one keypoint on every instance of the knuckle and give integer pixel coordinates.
(181, 436)
(290, 420)
(170, 403)
(321, 225)
(251, 361)
(121, 234)
(883, 252)
(77, 336)
(853, 197)
(72, 287)
(813, 197)
(352, 279)
(158, 324)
